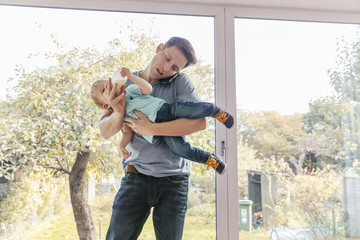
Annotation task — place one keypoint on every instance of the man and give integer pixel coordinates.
(155, 178)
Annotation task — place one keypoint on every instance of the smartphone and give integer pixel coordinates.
(168, 79)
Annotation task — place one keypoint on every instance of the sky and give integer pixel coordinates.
(283, 65)
(27, 31)
(280, 65)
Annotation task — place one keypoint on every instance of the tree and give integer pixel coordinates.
(271, 133)
(324, 124)
(52, 122)
(335, 118)
(345, 78)
(285, 136)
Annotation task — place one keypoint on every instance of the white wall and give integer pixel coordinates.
(312, 10)
(335, 5)
(351, 6)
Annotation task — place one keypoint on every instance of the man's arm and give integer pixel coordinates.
(178, 127)
(110, 123)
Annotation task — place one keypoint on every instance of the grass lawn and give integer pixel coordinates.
(63, 227)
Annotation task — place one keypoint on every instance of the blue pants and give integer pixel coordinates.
(185, 109)
(137, 195)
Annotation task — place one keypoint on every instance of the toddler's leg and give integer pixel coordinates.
(179, 146)
(195, 110)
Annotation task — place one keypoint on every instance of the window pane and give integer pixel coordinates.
(298, 132)
(89, 40)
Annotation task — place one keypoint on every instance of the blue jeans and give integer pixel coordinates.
(137, 195)
(186, 109)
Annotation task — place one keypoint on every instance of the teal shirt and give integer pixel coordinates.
(156, 159)
(146, 104)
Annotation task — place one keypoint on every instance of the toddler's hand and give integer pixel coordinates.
(125, 72)
(124, 152)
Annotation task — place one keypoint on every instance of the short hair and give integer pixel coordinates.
(185, 46)
(94, 98)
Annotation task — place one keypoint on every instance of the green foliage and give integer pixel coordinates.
(345, 75)
(313, 201)
(323, 115)
(356, 166)
(246, 161)
(335, 119)
(345, 78)
(55, 116)
(325, 122)
(205, 210)
(33, 199)
(206, 141)
(198, 196)
(275, 166)
(203, 77)
(270, 133)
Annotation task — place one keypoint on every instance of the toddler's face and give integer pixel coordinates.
(99, 90)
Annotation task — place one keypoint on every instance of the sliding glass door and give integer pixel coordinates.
(298, 129)
(57, 44)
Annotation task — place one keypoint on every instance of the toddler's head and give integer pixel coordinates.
(98, 88)
(97, 94)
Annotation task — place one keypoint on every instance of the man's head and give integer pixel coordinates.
(97, 94)
(176, 54)
(185, 47)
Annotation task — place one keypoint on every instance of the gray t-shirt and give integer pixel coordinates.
(156, 159)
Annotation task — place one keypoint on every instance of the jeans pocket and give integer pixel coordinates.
(178, 179)
(127, 178)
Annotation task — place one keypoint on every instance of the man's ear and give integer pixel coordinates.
(106, 106)
(159, 47)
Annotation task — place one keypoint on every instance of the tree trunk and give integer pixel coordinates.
(82, 213)
(298, 164)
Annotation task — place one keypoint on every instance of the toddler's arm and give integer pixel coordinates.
(125, 139)
(145, 87)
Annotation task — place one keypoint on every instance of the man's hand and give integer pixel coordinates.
(115, 98)
(142, 126)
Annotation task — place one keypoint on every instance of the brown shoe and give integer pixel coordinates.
(216, 163)
(225, 118)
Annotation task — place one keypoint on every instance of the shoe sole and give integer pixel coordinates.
(231, 126)
(224, 170)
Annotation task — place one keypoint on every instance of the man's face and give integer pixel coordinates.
(167, 62)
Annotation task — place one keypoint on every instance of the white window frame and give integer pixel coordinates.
(225, 85)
